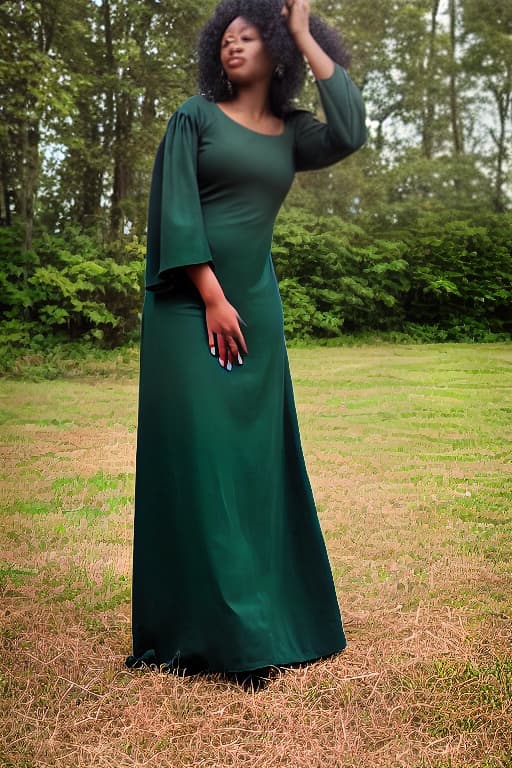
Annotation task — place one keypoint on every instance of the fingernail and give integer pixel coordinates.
(221, 362)
(229, 366)
(212, 350)
(240, 361)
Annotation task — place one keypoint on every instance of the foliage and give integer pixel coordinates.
(461, 275)
(334, 277)
(448, 279)
(402, 238)
(87, 87)
(68, 287)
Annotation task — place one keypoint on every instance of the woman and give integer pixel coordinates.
(230, 567)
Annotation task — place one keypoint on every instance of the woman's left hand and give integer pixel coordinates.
(296, 13)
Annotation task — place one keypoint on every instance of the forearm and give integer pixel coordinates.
(321, 64)
(296, 13)
(205, 280)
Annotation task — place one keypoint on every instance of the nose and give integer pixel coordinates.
(234, 46)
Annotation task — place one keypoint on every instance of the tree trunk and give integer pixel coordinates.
(42, 35)
(91, 187)
(122, 163)
(5, 202)
(110, 68)
(429, 98)
(503, 103)
(109, 121)
(457, 133)
(30, 177)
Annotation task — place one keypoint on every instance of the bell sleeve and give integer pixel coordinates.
(176, 235)
(319, 144)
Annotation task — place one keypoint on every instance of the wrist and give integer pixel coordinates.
(213, 299)
(206, 283)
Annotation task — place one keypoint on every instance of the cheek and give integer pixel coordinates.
(264, 59)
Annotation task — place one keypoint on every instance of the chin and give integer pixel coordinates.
(239, 78)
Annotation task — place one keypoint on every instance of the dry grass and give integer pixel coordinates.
(409, 456)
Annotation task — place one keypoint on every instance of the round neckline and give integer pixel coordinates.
(251, 130)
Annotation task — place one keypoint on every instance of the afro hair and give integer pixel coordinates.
(266, 15)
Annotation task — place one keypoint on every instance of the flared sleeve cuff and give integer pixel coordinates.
(176, 235)
(319, 144)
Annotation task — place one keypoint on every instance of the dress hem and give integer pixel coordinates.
(149, 660)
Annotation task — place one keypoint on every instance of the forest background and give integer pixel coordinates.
(411, 237)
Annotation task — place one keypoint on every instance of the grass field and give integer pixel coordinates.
(409, 453)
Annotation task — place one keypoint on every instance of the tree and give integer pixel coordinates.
(29, 74)
(488, 57)
(87, 87)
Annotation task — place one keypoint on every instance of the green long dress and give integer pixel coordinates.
(230, 567)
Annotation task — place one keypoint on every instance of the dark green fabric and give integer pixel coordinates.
(230, 567)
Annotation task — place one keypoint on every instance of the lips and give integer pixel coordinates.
(236, 61)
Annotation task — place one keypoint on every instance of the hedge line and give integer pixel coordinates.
(446, 279)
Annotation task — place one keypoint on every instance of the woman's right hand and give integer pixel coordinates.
(225, 337)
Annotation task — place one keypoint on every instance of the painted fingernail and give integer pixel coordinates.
(229, 366)
(221, 362)
(240, 361)
(212, 350)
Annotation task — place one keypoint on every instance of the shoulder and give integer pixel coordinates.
(297, 115)
(194, 111)
(196, 107)
(298, 118)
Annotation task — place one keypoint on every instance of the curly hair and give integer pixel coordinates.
(290, 69)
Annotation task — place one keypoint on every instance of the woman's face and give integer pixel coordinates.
(243, 54)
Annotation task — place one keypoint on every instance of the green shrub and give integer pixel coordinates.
(446, 280)
(332, 277)
(461, 276)
(67, 288)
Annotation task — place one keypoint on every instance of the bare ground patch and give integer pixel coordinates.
(414, 689)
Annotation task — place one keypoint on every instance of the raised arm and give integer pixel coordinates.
(296, 12)
(318, 144)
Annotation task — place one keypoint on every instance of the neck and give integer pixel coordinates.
(253, 99)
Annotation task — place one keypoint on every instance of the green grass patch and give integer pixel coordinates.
(32, 508)
(79, 498)
(88, 595)
(14, 574)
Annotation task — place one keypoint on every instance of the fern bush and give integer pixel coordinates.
(68, 288)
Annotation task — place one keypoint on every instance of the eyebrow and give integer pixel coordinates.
(243, 29)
